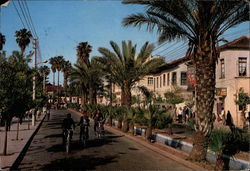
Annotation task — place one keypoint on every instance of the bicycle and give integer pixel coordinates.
(67, 136)
(85, 135)
(100, 130)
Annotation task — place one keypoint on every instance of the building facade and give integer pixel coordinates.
(232, 73)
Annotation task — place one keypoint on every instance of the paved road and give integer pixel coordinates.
(112, 153)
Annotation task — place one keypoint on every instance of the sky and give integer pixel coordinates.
(61, 25)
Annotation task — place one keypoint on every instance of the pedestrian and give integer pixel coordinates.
(180, 115)
(229, 120)
(223, 116)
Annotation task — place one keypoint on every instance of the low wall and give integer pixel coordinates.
(187, 147)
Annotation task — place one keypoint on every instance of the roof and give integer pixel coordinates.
(240, 43)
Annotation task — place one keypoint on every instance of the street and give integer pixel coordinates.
(114, 152)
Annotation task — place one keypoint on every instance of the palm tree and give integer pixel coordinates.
(44, 70)
(23, 37)
(53, 68)
(126, 67)
(202, 23)
(2, 41)
(66, 68)
(83, 51)
(89, 77)
(59, 60)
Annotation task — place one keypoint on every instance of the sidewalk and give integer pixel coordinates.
(16, 147)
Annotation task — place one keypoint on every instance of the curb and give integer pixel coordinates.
(26, 146)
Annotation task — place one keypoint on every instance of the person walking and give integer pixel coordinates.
(84, 123)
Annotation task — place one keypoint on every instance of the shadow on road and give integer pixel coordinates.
(53, 136)
(83, 163)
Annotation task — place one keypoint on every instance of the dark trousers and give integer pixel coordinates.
(84, 131)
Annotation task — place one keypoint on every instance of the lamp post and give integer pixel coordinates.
(34, 78)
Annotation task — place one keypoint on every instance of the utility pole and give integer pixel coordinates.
(34, 80)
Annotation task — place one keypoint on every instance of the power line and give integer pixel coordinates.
(25, 19)
(18, 14)
(32, 24)
(26, 16)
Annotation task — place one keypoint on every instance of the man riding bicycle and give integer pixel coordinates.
(68, 124)
(84, 123)
(98, 119)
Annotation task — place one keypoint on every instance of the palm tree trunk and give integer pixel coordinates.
(17, 130)
(53, 94)
(149, 133)
(222, 163)
(119, 125)
(5, 139)
(131, 128)
(58, 79)
(65, 87)
(91, 95)
(205, 63)
(125, 125)
(110, 94)
(126, 96)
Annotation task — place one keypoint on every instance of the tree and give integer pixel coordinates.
(44, 71)
(53, 68)
(2, 41)
(126, 67)
(66, 69)
(202, 23)
(225, 144)
(23, 37)
(174, 97)
(58, 60)
(83, 51)
(15, 88)
(89, 77)
(242, 101)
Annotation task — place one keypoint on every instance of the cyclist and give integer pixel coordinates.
(68, 123)
(84, 122)
(98, 118)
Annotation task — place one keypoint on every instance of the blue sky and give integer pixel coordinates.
(61, 25)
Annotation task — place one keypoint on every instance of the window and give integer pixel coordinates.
(242, 66)
(164, 79)
(174, 78)
(150, 81)
(160, 81)
(154, 83)
(157, 82)
(168, 78)
(183, 78)
(222, 67)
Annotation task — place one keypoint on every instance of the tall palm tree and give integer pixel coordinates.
(2, 41)
(53, 68)
(59, 60)
(83, 51)
(126, 67)
(66, 69)
(23, 37)
(44, 70)
(202, 23)
(89, 77)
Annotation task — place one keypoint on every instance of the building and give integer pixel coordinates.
(232, 73)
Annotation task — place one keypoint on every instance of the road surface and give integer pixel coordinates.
(114, 152)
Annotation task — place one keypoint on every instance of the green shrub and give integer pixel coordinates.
(164, 121)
